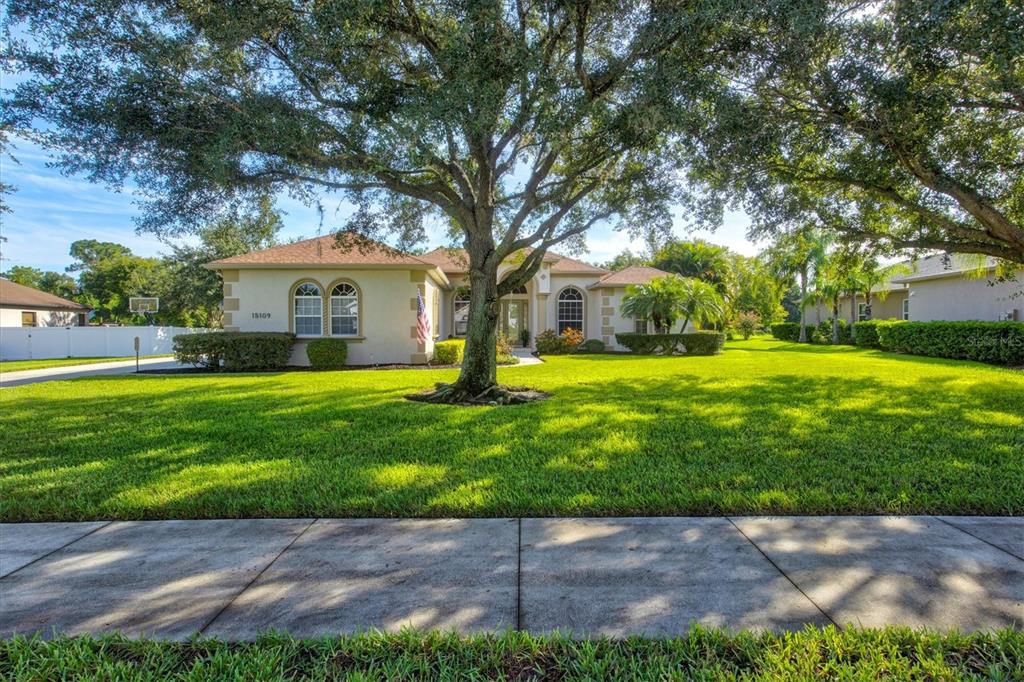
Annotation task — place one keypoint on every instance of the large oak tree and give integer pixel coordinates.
(520, 123)
(898, 123)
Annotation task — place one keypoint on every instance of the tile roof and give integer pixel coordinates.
(13, 294)
(347, 249)
(634, 274)
(454, 261)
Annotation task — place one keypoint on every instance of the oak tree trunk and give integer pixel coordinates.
(479, 364)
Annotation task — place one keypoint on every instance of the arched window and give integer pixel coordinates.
(460, 308)
(344, 310)
(309, 306)
(570, 309)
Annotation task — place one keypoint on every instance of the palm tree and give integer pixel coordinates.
(664, 300)
(701, 302)
(705, 261)
(800, 253)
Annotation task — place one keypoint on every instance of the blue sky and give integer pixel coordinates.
(50, 210)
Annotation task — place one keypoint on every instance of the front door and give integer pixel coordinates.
(513, 320)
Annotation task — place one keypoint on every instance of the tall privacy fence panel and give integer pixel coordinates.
(34, 343)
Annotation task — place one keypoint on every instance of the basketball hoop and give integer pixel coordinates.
(144, 305)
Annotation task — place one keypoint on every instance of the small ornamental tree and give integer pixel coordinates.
(517, 124)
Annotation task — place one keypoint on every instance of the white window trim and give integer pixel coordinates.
(295, 316)
(906, 309)
(583, 310)
(353, 296)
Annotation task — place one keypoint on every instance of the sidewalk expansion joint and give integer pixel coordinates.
(49, 554)
(255, 578)
(783, 573)
(977, 537)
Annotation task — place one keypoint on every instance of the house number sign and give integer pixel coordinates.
(261, 316)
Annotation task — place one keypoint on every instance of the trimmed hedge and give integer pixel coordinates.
(235, 351)
(1000, 343)
(692, 343)
(591, 346)
(327, 353)
(449, 352)
(788, 331)
(816, 333)
(865, 334)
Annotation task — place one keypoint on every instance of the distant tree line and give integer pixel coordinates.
(105, 275)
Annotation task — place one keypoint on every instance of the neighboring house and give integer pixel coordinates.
(938, 287)
(22, 306)
(366, 293)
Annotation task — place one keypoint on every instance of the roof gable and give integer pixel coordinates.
(634, 274)
(14, 294)
(346, 249)
(455, 261)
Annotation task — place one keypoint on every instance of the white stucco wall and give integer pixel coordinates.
(261, 300)
(965, 299)
(11, 317)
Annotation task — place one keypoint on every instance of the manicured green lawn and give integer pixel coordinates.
(811, 654)
(766, 427)
(21, 365)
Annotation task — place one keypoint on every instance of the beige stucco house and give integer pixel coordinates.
(22, 306)
(366, 293)
(938, 287)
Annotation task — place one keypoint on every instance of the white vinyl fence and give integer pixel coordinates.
(33, 343)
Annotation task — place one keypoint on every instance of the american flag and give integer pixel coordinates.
(422, 321)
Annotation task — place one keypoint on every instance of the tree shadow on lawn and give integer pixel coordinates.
(683, 444)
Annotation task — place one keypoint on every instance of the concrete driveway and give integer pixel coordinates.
(34, 376)
(611, 576)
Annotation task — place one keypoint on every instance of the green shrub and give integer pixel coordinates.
(692, 343)
(327, 353)
(503, 345)
(845, 332)
(786, 331)
(506, 359)
(524, 337)
(449, 352)
(591, 346)
(820, 333)
(747, 323)
(999, 343)
(201, 350)
(865, 334)
(235, 351)
(549, 342)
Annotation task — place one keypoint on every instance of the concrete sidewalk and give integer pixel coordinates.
(35, 376)
(655, 576)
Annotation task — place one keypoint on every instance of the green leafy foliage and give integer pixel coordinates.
(899, 127)
(327, 353)
(550, 342)
(693, 343)
(866, 335)
(666, 300)
(820, 334)
(786, 331)
(999, 343)
(591, 346)
(449, 352)
(235, 351)
(747, 323)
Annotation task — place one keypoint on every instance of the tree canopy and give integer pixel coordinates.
(898, 123)
(517, 124)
